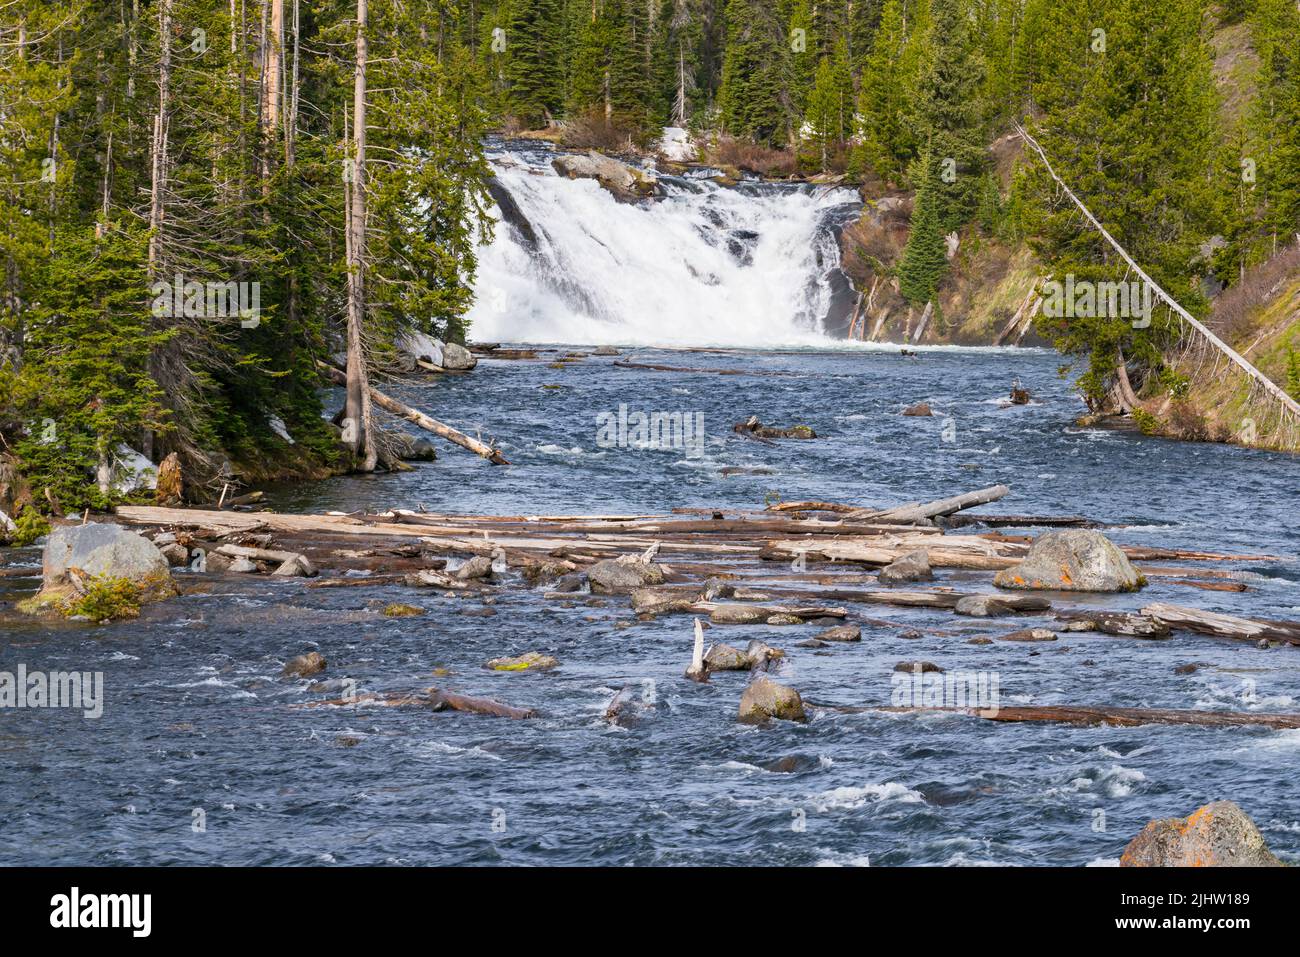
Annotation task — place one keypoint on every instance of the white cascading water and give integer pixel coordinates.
(704, 266)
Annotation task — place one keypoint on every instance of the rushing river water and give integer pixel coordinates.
(197, 717)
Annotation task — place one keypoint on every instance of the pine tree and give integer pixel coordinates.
(924, 260)
(754, 97)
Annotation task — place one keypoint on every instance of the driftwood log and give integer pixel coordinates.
(429, 424)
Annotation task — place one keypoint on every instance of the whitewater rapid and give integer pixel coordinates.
(753, 266)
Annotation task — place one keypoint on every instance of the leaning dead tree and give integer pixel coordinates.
(1266, 408)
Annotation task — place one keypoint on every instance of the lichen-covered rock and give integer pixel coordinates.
(529, 661)
(765, 699)
(840, 633)
(784, 619)
(611, 577)
(399, 610)
(1219, 834)
(304, 666)
(1073, 560)
(912, 567)
(919, 409)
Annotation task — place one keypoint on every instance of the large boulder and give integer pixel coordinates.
(613, 577)
(75, 554)
(1073, 560)
(1219, 834)
(457, 358)
(764, 699)
(627, 183)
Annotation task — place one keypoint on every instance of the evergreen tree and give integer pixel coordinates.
(924, 260)
(755, 92)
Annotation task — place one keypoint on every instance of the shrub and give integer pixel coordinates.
(30, 525)
(107, 599)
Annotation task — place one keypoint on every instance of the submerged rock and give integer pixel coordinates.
(912, 567)
(752, 426)
(303, 666)
(840, 633)
(529, 661)
(398, 610)
(629, 706)
(1030, 634)
(765, 699)
(1220, 834)
(921, 667)
(920, 409)
(1073, 560)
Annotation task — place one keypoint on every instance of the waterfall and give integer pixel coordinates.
(756, 265)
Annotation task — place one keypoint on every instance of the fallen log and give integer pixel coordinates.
(653, 367)
(1115, 623)
(389, 404)
(910, 514)
(1224, 626)
(1022, 521)
(812, 507)
(433, 698)
(1090, 715)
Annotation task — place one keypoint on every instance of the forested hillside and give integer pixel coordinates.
(330, 152)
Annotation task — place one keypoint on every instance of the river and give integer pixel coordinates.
(199, 729)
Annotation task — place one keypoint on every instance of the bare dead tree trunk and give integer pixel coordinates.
(158, 151)
(357, 408)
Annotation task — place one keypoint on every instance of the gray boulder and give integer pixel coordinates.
(76, 553)
(457, 358)
(912, 567)
(660, 601)
(1219, 834)
(738, 614)
(841, 633)
(613, 577)
(480, 566)
(1076, 559)
(726, 658)
(765, 699)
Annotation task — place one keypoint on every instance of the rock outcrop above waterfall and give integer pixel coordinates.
(627, 183)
